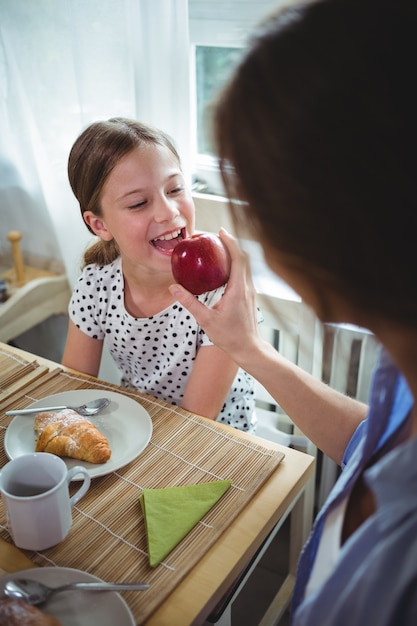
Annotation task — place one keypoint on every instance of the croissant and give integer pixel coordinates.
(67, 433)
(19, 613)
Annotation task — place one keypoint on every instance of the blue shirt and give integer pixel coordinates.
(374, 582)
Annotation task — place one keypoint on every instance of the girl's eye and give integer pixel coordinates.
(138, 205)
(176, 190)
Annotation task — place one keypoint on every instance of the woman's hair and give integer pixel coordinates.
(93, 156)
(316, 133)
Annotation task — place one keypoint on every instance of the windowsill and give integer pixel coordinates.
(264, 279)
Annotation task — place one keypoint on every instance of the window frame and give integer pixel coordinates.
(219, 24)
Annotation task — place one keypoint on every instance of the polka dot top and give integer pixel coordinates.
(155, 354)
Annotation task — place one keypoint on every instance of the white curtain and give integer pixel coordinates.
(64, 64)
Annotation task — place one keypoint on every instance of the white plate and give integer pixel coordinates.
(125, 423)
(73, 608)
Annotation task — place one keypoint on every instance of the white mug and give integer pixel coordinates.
(35, 494)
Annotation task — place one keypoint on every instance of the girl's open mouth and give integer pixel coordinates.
(166, 243)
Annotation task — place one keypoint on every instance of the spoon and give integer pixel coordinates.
(89, 408)
(34, 592)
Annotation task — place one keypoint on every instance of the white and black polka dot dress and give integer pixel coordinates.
(154, 354)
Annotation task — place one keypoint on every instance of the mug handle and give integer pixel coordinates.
(78, 469)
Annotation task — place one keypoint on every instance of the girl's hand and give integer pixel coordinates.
(232, 323)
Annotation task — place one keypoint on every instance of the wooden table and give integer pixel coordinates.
(211, 563)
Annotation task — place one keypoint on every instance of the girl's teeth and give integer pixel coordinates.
(169, 236)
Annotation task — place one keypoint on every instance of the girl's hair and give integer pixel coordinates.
(317, 138)
(93, 156)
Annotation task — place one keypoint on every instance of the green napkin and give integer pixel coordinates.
(171, 513)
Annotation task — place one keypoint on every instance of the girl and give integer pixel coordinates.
(128, 181)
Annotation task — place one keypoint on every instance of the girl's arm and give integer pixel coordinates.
(327, 417)
(82, 353)
(209, 383)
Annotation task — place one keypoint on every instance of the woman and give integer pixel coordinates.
(316, 133)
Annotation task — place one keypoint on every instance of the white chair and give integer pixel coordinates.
(341, 355)
(349, 358)
(293, 330)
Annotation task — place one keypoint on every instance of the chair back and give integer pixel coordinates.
(342, 355)
(293, 329)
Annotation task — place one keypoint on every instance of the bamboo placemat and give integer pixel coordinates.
(108, 539)
(16, 373)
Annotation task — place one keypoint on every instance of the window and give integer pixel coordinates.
(213, 66)
(218, 35)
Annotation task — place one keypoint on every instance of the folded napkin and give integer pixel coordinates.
(171, 513)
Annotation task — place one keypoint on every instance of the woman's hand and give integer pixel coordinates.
(231, 324)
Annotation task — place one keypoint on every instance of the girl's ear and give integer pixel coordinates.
(97, 225)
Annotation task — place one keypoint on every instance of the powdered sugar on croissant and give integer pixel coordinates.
(67, 433)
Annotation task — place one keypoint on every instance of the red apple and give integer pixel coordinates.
(200, 263)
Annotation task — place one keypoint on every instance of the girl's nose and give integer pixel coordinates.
(165, 209)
